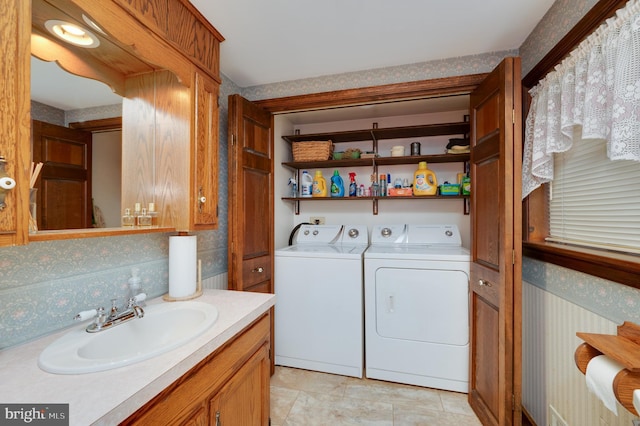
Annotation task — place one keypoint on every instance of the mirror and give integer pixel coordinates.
(86, 194)
(70, 180)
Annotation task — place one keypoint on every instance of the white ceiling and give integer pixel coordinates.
(281, 40)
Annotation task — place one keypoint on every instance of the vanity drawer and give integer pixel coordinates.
(256, 271)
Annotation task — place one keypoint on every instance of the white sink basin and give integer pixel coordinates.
(165, 326)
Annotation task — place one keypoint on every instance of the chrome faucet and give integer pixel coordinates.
(102, 321)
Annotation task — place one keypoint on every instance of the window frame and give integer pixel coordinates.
(613, 266)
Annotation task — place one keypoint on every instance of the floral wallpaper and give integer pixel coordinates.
(42, 285)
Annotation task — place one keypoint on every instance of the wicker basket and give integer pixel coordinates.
(312, 150)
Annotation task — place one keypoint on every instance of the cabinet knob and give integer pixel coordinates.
(484, 283)
(259, 269)
(218, 419)
(6, 183)
(201, 199)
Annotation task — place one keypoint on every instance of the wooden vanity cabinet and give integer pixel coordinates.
(230, 387)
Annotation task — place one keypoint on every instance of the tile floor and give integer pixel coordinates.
(307, 398)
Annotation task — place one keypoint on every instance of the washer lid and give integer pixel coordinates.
(346, 251)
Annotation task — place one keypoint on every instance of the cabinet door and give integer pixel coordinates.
(250, 197)
(244, 400)
(15, 18)
(495, 279)
(205, 154)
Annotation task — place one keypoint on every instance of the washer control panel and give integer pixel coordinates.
(333, 234)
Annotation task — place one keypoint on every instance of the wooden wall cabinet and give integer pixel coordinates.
(230, 387)
(204, 153)
(178, 171)
(15, 118)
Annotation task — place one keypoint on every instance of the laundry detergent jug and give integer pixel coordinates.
(337, 185)
(424, 181)
(319, 185)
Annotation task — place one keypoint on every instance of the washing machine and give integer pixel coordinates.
(417, 306)
(319, 318)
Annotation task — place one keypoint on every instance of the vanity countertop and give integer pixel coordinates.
(109, 397)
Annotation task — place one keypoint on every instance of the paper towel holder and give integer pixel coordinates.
(623, 348)
(195, 295)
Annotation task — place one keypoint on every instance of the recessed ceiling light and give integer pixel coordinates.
(72, 33)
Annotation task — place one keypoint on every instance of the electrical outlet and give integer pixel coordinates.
(317, 220)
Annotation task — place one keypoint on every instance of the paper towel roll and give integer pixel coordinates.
(183, 253)
(601, 371)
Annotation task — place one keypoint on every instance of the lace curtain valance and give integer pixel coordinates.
(593, 94)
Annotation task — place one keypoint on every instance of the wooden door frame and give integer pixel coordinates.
(433, 88)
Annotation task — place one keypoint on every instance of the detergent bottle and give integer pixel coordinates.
(319, 188)
(337, 185)
(353, 186)
(424, 181)
(306, 184)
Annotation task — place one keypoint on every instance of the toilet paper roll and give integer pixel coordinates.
(183, 266)
(601, 371)
(636, 400)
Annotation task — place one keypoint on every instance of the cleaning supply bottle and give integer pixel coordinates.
(353, 186)
(319, 188)
(294, 187)
(424, 181)
(337, 185)
(306, 184)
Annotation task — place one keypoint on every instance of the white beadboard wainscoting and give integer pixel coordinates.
(217, 282)
(550, 376)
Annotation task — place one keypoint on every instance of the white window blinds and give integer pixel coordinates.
(595, 202)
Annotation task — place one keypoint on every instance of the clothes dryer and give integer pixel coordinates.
(416, 306)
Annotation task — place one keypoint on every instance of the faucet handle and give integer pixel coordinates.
(85, 315)
(114, 306)
(133, 301)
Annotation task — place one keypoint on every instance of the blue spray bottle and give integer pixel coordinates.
(337, 185)
(353, 186)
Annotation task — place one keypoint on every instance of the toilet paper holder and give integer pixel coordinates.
(623, 348)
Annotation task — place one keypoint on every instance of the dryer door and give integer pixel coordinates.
(424, 305)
